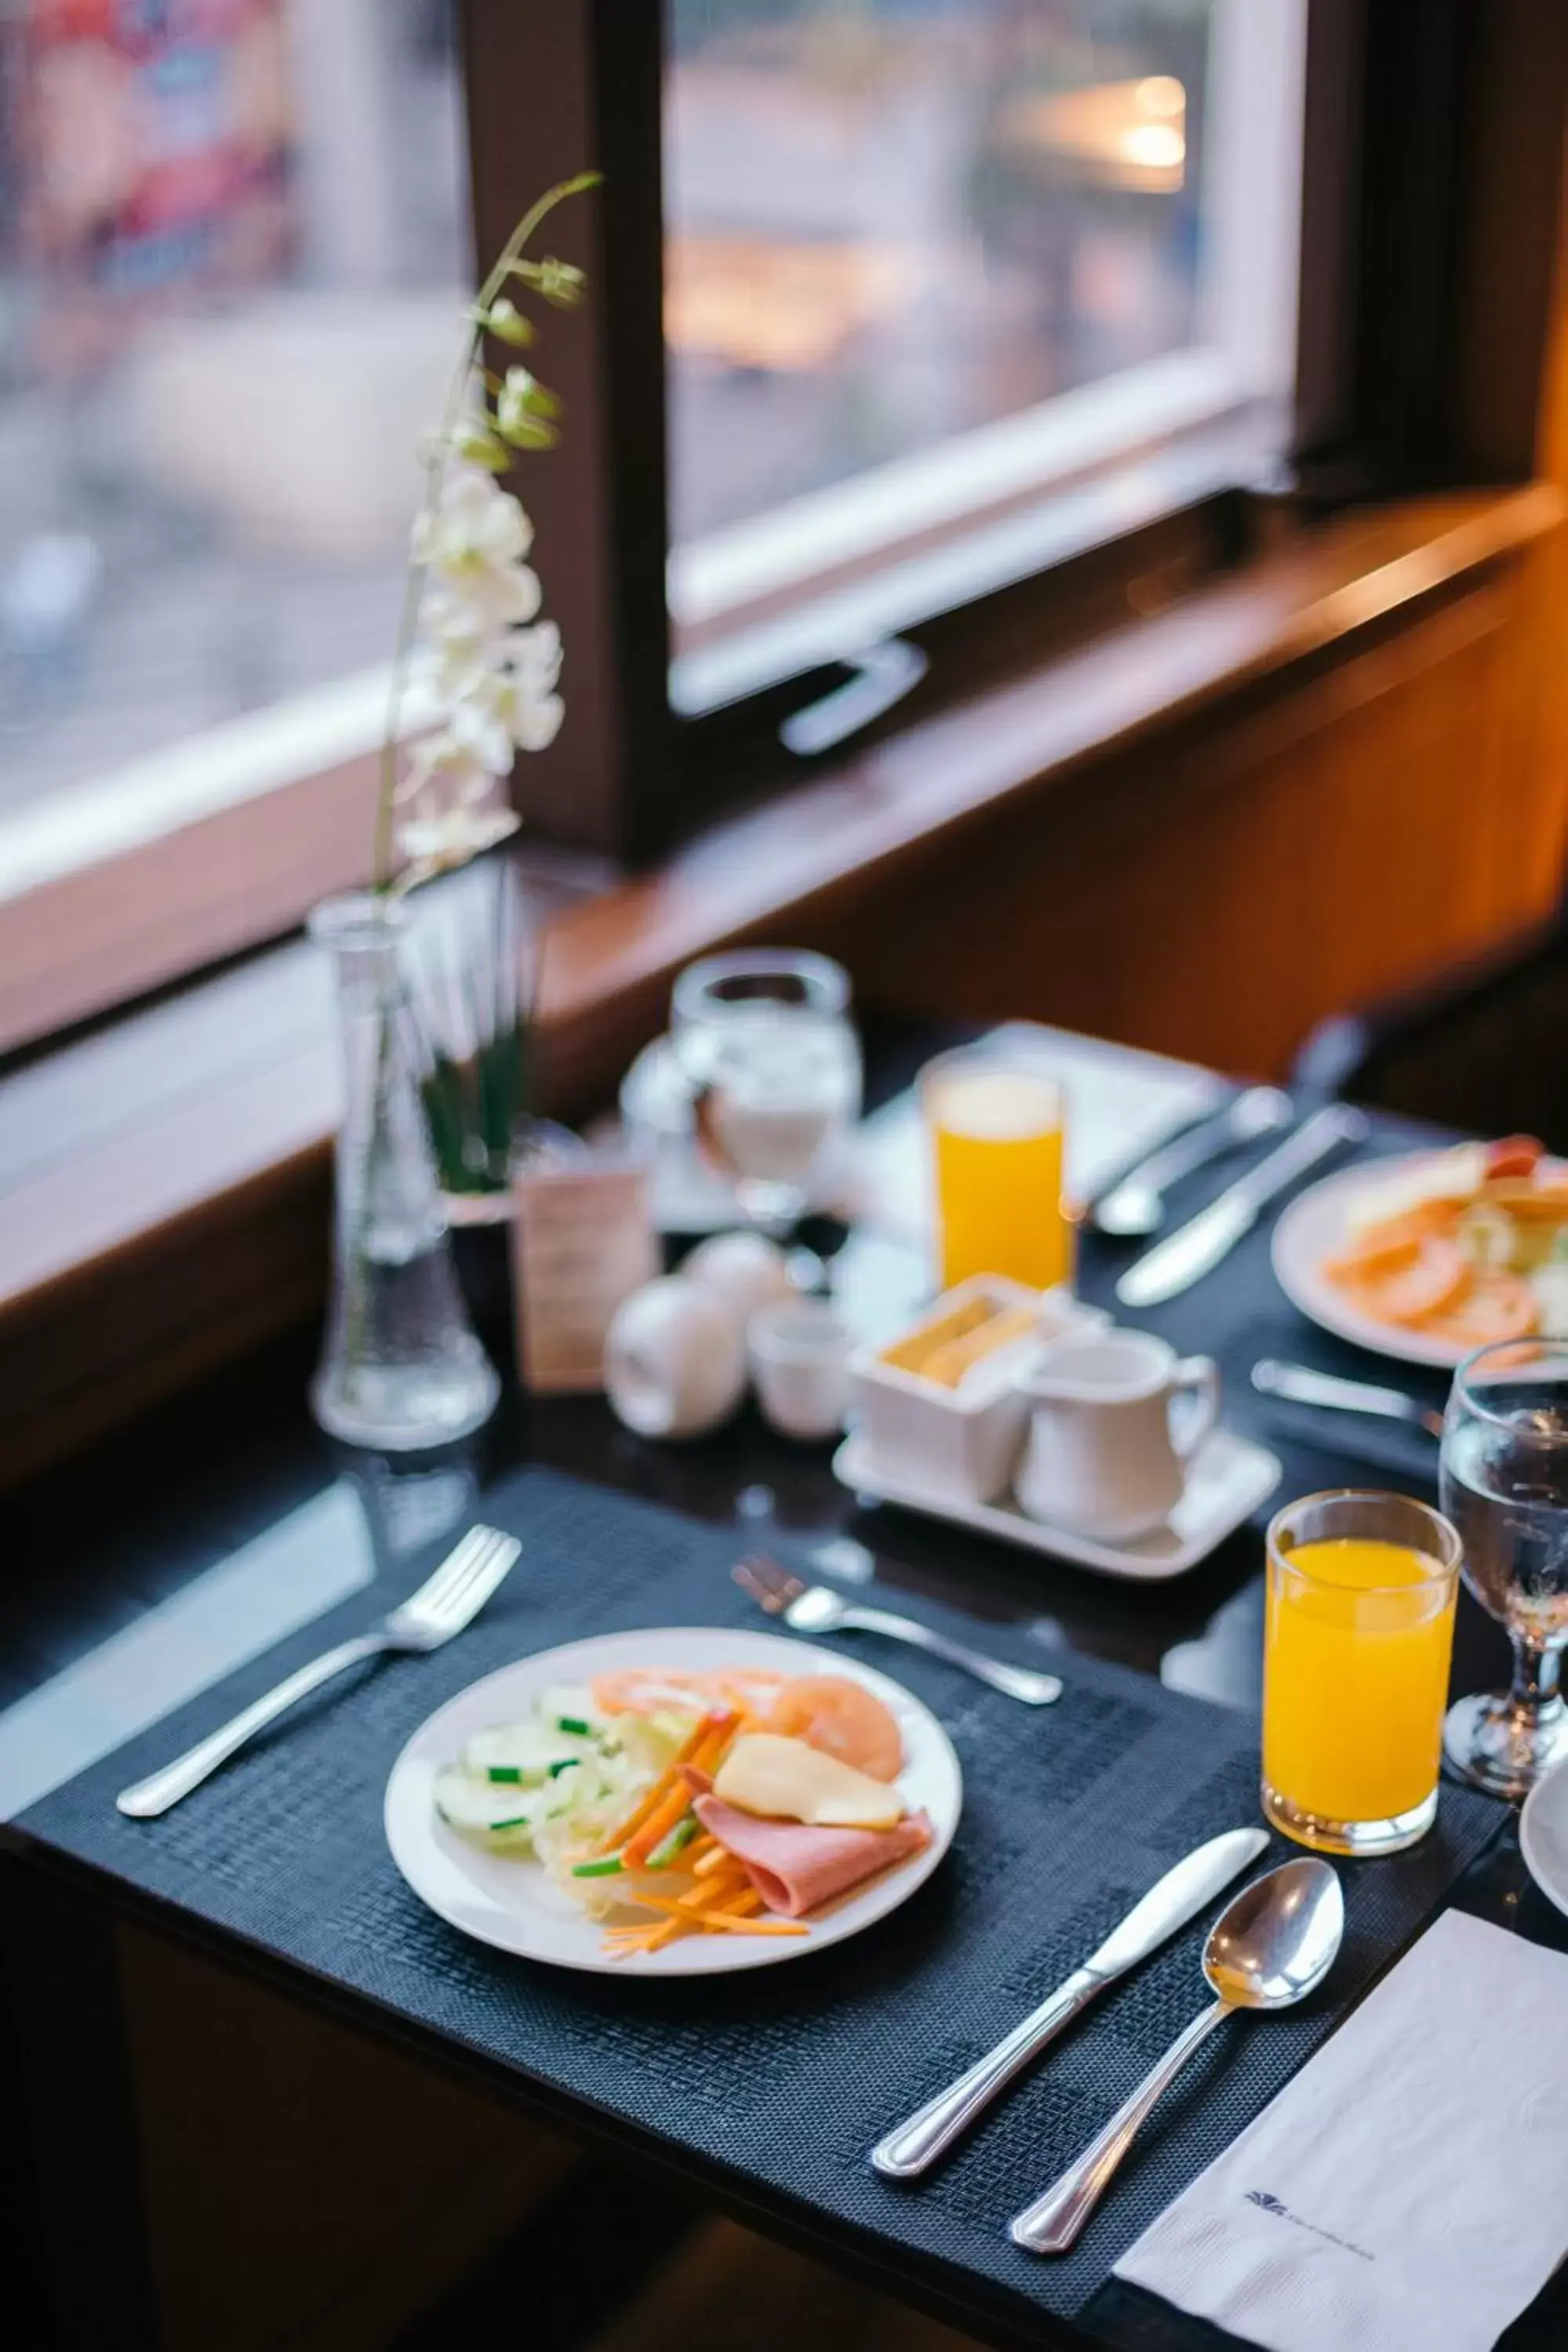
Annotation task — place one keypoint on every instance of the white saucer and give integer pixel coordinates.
(1229, 1478)
(1544, 1835)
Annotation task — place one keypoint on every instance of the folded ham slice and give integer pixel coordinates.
(795, 1867)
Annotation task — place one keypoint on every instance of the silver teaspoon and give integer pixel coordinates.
(1267, 1950)
(1136, 1206)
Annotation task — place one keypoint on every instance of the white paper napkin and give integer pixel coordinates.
(1410, 2186)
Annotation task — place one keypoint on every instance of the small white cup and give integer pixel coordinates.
(800, 1350)
(1106, 1455)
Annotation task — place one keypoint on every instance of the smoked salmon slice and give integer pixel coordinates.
(842, 1718)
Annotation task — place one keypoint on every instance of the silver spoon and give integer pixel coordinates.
(1137, 1204)
(1267, 1950)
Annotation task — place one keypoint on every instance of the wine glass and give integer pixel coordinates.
(763, 1038)
(1505, 1487)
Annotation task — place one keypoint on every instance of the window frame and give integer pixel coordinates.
(906, 537)
(553, 84)
(633, 777)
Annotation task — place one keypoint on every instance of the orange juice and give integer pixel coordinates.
(1356, 1676)
(997, 1139)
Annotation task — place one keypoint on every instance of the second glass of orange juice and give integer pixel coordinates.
(1358, 1630)
(997, 1139)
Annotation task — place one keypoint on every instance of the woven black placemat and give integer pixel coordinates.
(787, 2076)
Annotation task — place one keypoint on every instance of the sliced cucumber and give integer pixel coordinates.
(569, 1708)
(575, 1784)
(480, 1808)
(525, 1754)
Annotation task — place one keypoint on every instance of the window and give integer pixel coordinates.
(234, 235)
(927, 259)
(957, 322)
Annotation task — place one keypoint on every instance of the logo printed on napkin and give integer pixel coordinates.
(1271, 2204)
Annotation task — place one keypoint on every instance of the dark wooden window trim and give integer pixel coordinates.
(190, 1228)
(554, 83)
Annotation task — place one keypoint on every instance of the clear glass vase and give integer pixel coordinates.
(400, 1368)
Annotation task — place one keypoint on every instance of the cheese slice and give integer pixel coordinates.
(787, 1780)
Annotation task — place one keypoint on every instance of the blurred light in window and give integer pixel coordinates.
(233, 238)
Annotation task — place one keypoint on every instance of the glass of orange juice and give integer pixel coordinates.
(1355, 1673)
(998, 1137)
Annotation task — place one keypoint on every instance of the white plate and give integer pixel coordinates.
(1229, 1477)
(1315, 1224)
(1544, 1835)
(512, 1904)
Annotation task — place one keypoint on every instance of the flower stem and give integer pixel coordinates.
(382, 878)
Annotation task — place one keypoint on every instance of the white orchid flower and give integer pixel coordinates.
(473, 542)
(489, 664)
(507, 712)
(446, 837)
(474, 523)
(538, 722)
(535, 655)
(442, 766)
(454, 814)
(476, 603)
(446, 669)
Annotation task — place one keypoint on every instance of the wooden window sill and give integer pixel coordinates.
(163, 1182)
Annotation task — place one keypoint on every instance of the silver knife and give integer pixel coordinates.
(1135, 1206)
(1176, 1263)
(1300, 1385)
(1169, 1904)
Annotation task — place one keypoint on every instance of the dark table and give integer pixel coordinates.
(150, 1569)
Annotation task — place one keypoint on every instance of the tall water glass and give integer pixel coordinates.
(1505, 1487)
(765, 1040)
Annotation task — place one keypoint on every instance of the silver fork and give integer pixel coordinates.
(813, 1609)
(443, 1606)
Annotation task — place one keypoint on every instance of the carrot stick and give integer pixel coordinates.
(734, 1920)
(739, 1927)
(658, 1825)
(745, 1898)
(716, 1889)
(667, 1780)
(720, 1731)
(714, 1861)
(667, 1905)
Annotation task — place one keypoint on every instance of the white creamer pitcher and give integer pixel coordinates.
(1114, 1420)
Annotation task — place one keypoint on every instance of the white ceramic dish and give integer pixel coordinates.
(1315, 1224)
(512, 1904)
(964, 1442)
(1544, 1835)
(1229, 1479)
